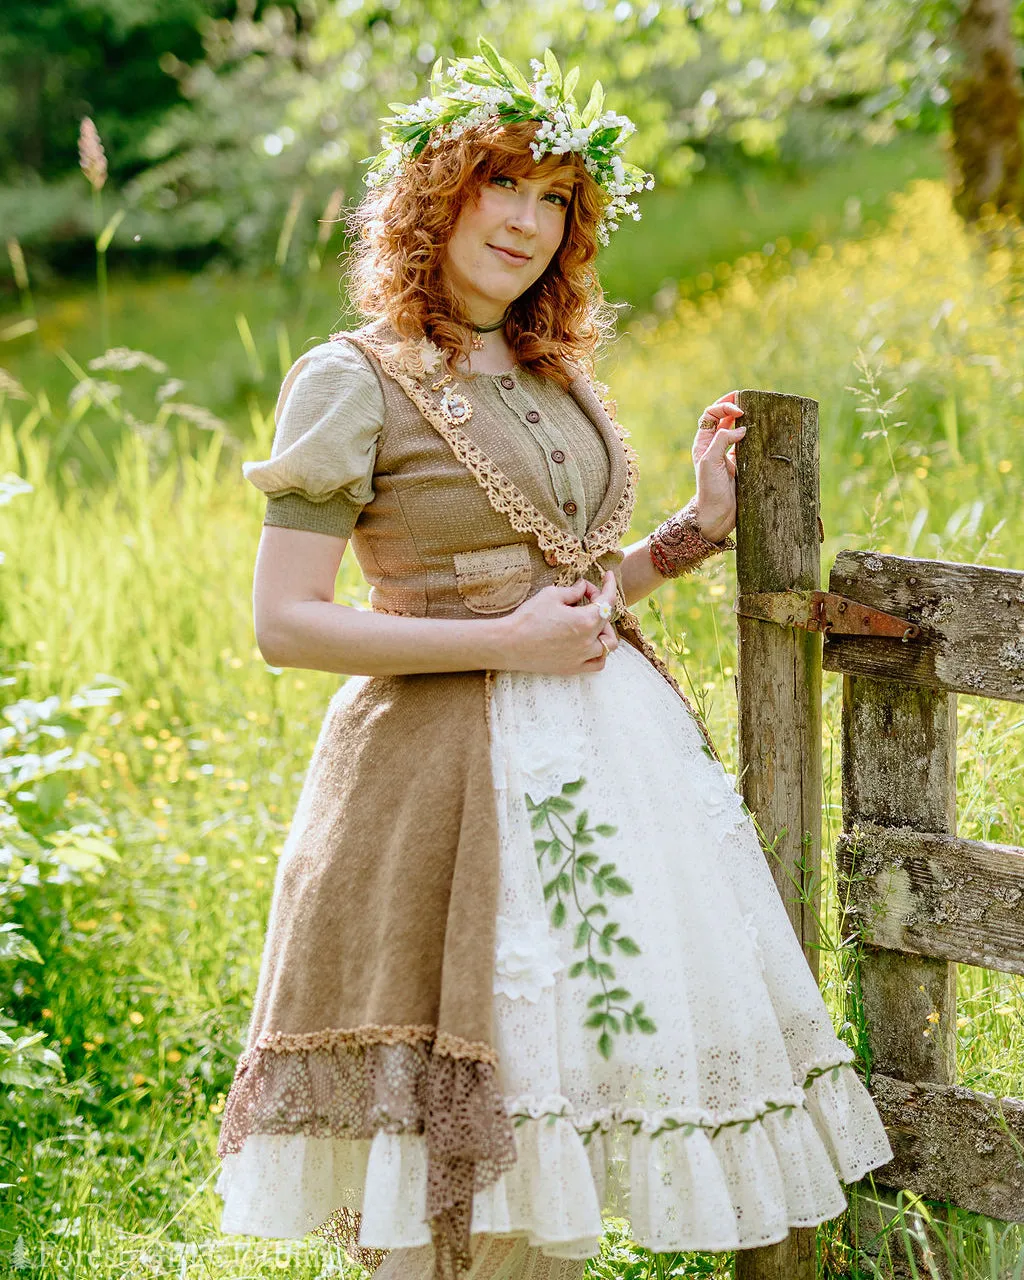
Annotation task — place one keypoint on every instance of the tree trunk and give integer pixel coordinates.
(986, 110)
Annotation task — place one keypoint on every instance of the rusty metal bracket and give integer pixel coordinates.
(825, 612)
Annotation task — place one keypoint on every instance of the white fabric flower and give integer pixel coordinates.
(526, 959)
(416, 356)
(548, 759)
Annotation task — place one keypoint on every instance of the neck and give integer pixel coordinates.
(489, 325)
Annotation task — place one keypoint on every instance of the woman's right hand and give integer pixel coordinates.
(556, 632)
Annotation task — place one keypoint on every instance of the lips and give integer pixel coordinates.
(510, 255)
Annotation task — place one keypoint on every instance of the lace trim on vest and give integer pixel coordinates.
(575, 554)
(357, 1082)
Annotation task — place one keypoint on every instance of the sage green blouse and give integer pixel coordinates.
(329, 415)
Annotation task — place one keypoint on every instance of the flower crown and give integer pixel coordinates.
(489, 87)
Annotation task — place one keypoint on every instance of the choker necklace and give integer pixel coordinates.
(477, 343)
(490, 328)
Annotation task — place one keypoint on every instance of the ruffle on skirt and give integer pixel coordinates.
(725, 1111)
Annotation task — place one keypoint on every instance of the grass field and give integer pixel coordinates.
(142, 861)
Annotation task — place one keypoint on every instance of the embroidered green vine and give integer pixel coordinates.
(670, 1124)
(576, 868)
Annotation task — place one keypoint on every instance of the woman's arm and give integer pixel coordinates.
(714, 502)
(298, 624)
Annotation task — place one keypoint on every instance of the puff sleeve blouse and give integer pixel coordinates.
(328, 418)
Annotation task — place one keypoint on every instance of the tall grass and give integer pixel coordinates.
(145, 581)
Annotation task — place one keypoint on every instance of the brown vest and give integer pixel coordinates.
(464, 521)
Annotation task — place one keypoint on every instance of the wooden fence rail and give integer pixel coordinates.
(919, 898)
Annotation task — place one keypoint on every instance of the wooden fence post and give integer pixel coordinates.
(779, 692)
(899, 770)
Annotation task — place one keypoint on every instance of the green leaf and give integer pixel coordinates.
(596, 1001)
(594, 104)
(627, 945)
(570, 82)
(605, 969)
(598, 909)
(605, 829)
(491, 56)
(618, 993)
(605, 944)
(592, 969)
(604, 1045)
(595, 1020)
(558, 914)
(618, 885)
(586, 859)
(553, 69)
(646, 1026)
(613, 1022)
(627, 1019)
(582, 933)
(516, 77)
(15, 946)
(107, 234)
(550, 888)
(559, 805)
(570, 788)
(537, 819)
(576, 969)
(564, 882)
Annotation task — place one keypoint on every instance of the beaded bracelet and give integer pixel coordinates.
(677, 546)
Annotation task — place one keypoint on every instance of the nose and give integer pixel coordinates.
(523, 216)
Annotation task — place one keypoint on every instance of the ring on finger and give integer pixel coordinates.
(708, 422)
(604, 610)
(604, 645)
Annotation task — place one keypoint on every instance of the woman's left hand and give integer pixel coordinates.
(714, 458)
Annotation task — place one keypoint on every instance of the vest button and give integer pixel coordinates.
(532, 415)
(557, 455)
(507, 383)
(569, 507)
(551, 558)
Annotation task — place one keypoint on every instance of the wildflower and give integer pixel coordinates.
(92, 159)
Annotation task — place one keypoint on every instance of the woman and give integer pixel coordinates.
(525, 959)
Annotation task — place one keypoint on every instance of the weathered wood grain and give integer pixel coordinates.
(899, 770)
(779, 688)
(779, 668)
(971, 619)
(954, 1144)
(934, 895)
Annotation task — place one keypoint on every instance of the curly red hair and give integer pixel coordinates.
(402, 229)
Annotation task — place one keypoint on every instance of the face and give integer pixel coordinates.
(504, 239)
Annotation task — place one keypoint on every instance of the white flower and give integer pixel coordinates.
(526, 959)
(548, 759)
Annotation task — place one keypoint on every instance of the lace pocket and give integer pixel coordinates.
(494, 579)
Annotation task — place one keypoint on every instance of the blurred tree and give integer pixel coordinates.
(279, 110)
(986, 109)
(279, 105)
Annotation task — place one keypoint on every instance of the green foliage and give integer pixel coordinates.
(47, 841)
(576, 867)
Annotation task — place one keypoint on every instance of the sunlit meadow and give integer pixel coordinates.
(127, 635)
